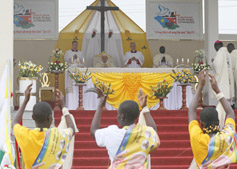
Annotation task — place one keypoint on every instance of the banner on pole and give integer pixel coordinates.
(174, 19)
(5, 117)
(36, 19)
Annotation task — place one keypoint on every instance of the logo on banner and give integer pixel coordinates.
(22, 17)
(166, 18)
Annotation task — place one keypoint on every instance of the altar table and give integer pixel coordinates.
(126, 82)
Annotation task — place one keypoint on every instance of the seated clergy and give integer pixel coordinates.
(133, 58)
(162, 60)
(104, 61)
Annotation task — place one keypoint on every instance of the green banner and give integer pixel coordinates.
(1, 155)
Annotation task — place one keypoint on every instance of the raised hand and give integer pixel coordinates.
(27, 92)
(142, 98)
(60, 97)
(202, 77)
(102, 97)
(213, 83)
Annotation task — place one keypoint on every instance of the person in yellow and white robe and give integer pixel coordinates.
(50, 145)
(129, 146)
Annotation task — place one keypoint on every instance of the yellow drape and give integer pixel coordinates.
(126, 85)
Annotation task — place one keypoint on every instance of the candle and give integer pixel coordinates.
(188, 61)
(182, 60)
(177, 60)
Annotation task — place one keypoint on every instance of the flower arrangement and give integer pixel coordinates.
(162, 89)
(7, 167)
(29, 69)
(106, 88)
(57, 53)
(57, 65)
(80, 77)
(200, 62)
(183, 77)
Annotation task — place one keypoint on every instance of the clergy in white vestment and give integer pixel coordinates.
(133, 58)
(162, 60)
(233, 54)
(104, 61)
(73, 57)
(224, 77)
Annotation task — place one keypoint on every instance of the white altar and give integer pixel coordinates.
(90, 100)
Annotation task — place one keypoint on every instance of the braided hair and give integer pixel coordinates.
(209, 120)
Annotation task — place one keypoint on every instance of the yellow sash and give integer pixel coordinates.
(55, 148)
(137, 143)
(221, 149)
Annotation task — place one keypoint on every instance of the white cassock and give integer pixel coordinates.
(234, 68)
(104, 65)
(69, 54)
(224, 76)
(157, 61)
(133, 64)
(70, 88)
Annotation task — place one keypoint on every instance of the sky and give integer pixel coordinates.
(135, 9)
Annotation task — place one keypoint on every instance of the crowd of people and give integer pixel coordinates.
(212, 140)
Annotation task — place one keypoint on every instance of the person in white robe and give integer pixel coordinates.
(233, 54)
(162, 60)
(104, 61)
(224, 76)
(133, 58)
(73, 57)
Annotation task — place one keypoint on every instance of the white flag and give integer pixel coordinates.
(5, 117)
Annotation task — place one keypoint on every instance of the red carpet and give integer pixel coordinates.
(174, 153)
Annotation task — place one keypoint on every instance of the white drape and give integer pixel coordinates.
(91, 46)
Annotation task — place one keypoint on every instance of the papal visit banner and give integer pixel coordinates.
(174, 19)
(36, 19)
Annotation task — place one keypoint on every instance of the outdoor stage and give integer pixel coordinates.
(174, 152)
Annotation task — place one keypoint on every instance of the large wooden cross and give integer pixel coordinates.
(102, 8)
